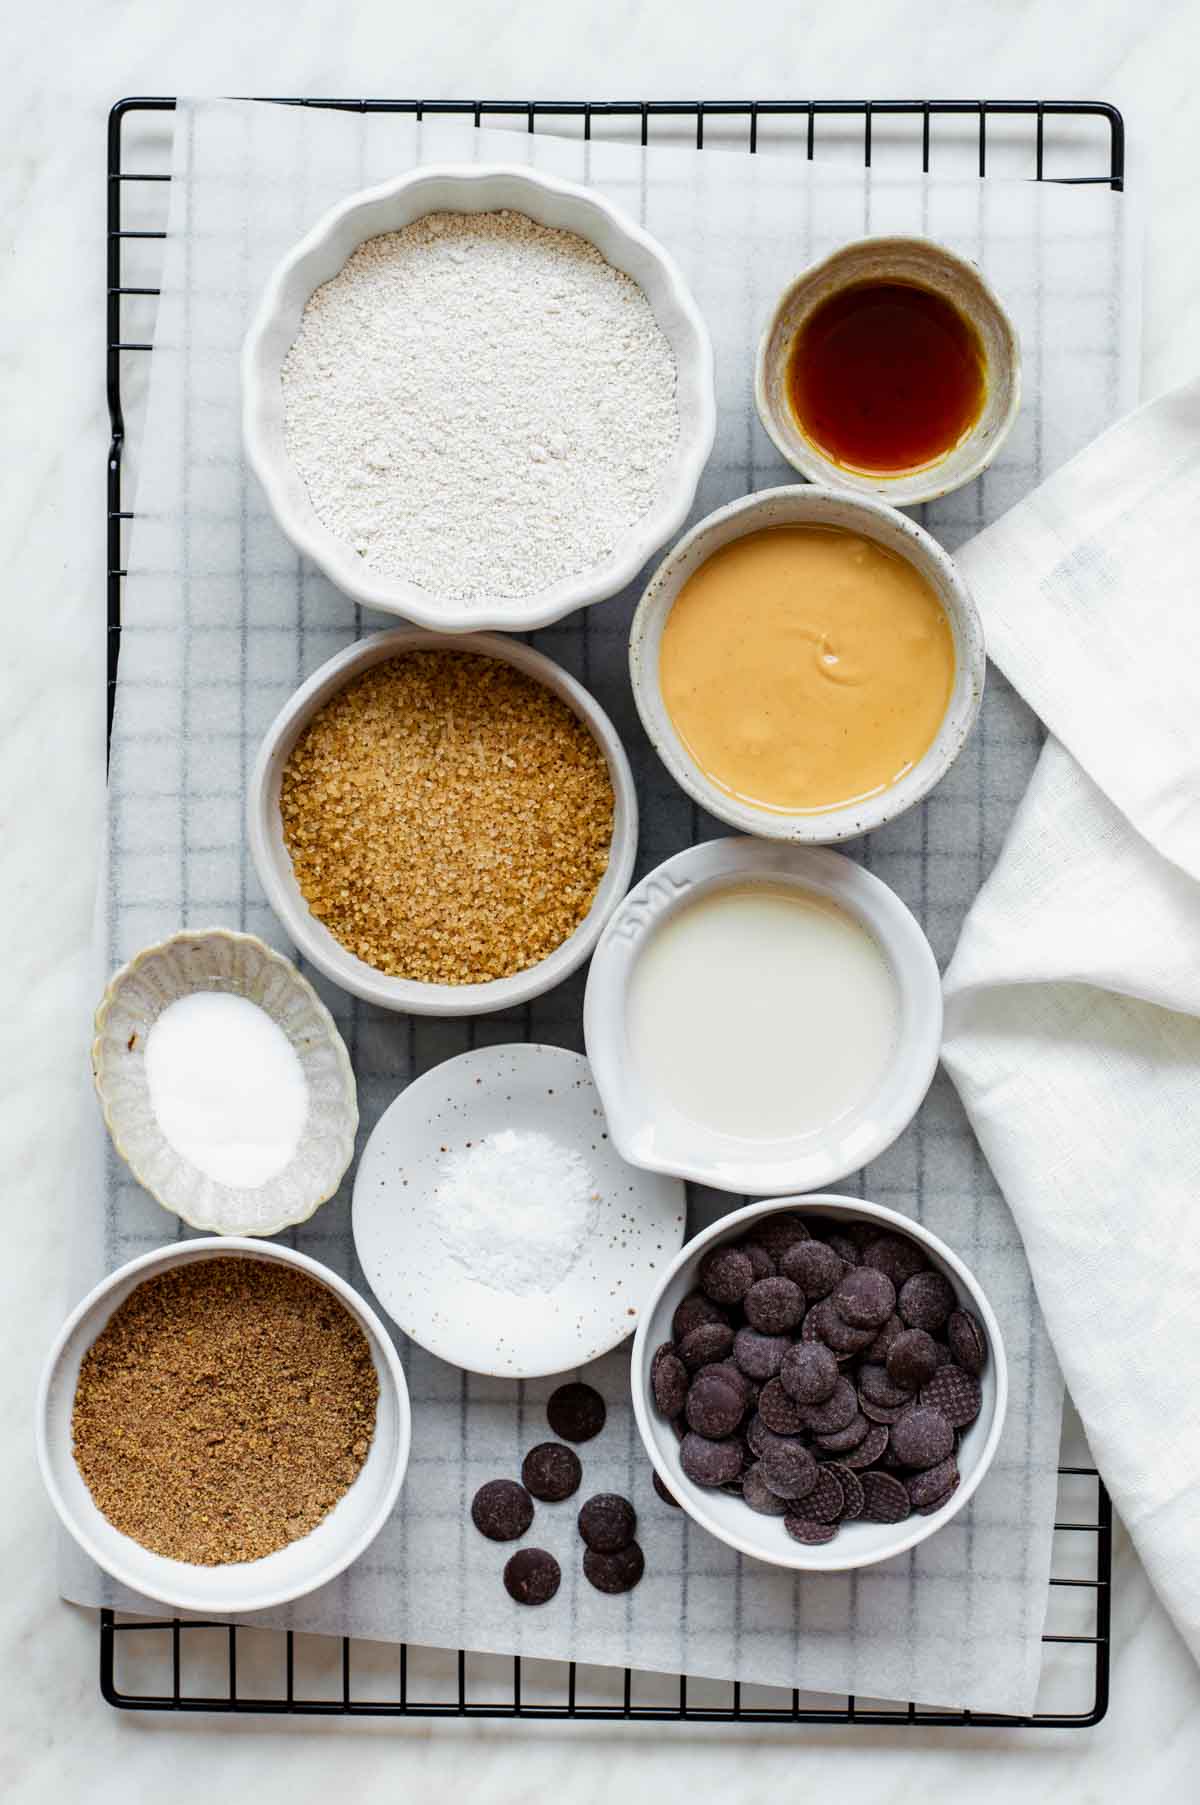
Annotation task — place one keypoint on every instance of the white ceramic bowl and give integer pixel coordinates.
(273, 862)
(473, 189)
(805, 505)
(929, 265)
(650, 1131)
(433, 1296)
(765, 1538)
(259, 1585)
(241, 965)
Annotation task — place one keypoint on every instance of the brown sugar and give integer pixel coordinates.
(224, 1409)
(448, 817)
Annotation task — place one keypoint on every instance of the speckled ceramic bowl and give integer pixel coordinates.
(928, 265)
(806, 505)
(243, 965)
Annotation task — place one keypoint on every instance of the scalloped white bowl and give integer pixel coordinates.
(243, 965)
(471, 188)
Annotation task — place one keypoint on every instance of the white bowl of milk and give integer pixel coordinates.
(761, 1018)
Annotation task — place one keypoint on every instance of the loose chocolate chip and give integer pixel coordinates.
(935, 1482)
(841, 1336)
(912, 1360)
(692, 1311)
(532, 1576)
(927, 1510)
(715, 1405)
(896, 1256)
(926, 1300)
(760, 1260)
(968, 1343)
(826, 1499)
(759, 1356)
(666, 1496)
(788, 1467)
(734, 1486)
(773, 1305)
(877, 1386)
(725, 1275)
(885, 1499)
(809, 1372)
(955, 1393)
(777, 1410)
(841, 1441)
(759, 1496)
(814, 1267)
(922, 1438)
(551, 1472)
(710, 1462)
(884, 1342)
(729, 1369)
(806, 1529)
(701, 1346)
(873, 1447)
(613, 1573)
(853, 1499)
(843, 1246)
(881, 1413)
(837, 1412)
(865, 1298)
(502, 1510)
(608, 1522)
(668, 1380)
(576, 1411)
(758, 1433)
(778, 1233)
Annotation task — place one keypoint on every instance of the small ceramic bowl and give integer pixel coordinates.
(806, 505)
(928, 265)
(239, 1586)
(474, 189)
(273, 862)
(650, 1131)
(724, 1515)
(242, 965)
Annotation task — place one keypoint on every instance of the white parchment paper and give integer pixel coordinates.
(223, 620)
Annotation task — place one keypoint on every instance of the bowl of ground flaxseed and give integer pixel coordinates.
(443, 824)
(223, 1425)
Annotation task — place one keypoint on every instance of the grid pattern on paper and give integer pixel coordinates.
(220, 612)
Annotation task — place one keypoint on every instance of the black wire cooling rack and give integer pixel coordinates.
(173, 1665)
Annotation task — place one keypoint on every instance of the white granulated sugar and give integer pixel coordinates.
(480, 404)
(515, 1209)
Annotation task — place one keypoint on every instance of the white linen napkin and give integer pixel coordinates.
(1073, 998)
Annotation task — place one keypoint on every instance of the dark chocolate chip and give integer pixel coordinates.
(935, 1482)
(814, 1267)
(757, 1434)
(876, 1384)
(828, 1327)
(873, 1447)
(773, 1306)
(968, 1343)
(759, 1496)
(725, 1274)
(826, 1499)
(885, 1499)
(667, 1496)
(922, 1438)
(759, 1356)
(608, 1522)
(955, 1393)
(703, 1345)
(809, 1372)
(710, 1462)
(842, 1441)
(693, 1310)
(807, 1530)
(729, 1369)
(926, 1300)
(927, 1510)
(788, 1468)
(881, 1413)
(853, 1499)
(614, 1573)
(884, 1342)
(551, 1472)
(896, 1256)
(576, 1411)
(502, 1510)
(779, 1412)
(865, 1298)
(837, 1412)
(778, 1233)
(843, 1245)
(532, 1576)
(715, 1405)
(912, 1360)
(760, 1260)
(668, 1380)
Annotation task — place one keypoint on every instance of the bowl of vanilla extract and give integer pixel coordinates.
(889, 369)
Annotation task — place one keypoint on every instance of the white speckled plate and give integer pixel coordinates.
(639, 1223)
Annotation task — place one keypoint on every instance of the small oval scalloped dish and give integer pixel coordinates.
(217, 959)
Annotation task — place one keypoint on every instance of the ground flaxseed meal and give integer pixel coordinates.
(224, 1409)
(449, 818)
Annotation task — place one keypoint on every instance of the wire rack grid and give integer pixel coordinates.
(571, 1693)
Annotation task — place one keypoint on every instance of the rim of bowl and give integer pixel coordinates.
(284, 488)
(273, 864)
(795, 1556)
(924, 482)
(810, 504)
(340, 1054)
(390, 1371)
(628, 1105)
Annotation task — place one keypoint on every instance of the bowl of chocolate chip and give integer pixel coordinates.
(819, 1382)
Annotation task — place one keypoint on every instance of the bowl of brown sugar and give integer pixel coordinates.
(223, 1425)
(443, 823)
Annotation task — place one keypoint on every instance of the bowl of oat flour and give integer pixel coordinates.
(478, 397)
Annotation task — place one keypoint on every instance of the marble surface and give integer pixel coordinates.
(62, 67)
